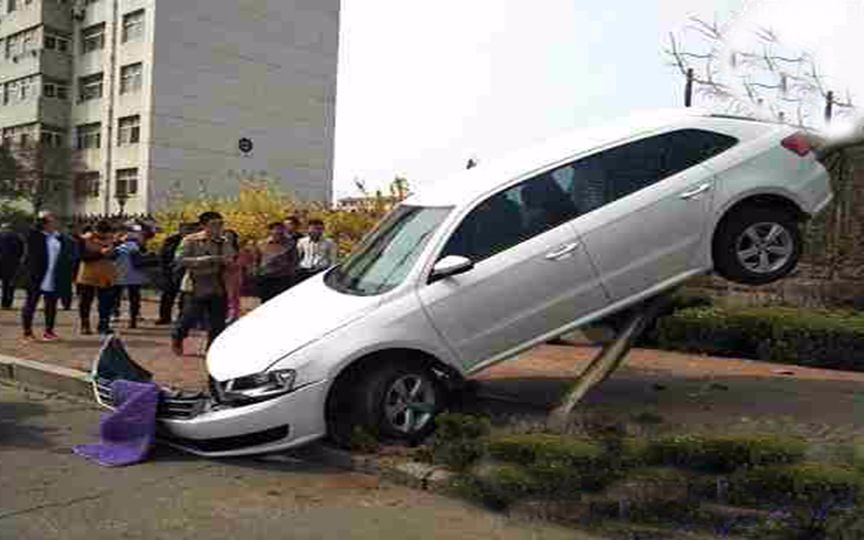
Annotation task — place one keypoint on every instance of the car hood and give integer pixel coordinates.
(292, 320)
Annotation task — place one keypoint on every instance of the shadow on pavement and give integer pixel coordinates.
(15, 432)
(305, 460)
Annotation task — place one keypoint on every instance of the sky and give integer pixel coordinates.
(423, 86)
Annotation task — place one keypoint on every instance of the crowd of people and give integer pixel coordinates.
(201, 271)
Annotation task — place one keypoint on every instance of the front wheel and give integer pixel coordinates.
(400, 402)
(757, 245)
(394, 400)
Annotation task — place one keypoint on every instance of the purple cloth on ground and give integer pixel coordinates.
(128, 432)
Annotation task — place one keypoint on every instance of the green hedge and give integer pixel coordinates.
(831, 339)
(498, 486)
(543, 447)
(460, 440)
(724, 453)
(812, 484)
(559, 464)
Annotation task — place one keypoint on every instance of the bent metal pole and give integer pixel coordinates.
(607, 360)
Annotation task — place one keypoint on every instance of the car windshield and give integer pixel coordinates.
(383, 260)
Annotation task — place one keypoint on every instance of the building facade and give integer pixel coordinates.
(161, 99)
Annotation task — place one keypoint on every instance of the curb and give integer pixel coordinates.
(413, 474)
(77, 383)
(47, 376)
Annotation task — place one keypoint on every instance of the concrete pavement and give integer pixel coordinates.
(48, 492)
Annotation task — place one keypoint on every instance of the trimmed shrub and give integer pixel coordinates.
(725, 453)
(497, 486)
(811, 484)
(822, 338)
(460, 440)
(546, 448)
(680, 300)
(560, 464)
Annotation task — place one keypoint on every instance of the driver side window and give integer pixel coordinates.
(513, 216)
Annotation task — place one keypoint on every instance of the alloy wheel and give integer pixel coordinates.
(764, 247)
(409, 403)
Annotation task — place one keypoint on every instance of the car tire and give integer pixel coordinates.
(398, 402)
(757, 245)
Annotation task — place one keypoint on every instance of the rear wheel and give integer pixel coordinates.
(757, 245)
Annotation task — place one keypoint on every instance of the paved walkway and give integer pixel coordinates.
(47, 492)
(686, 390)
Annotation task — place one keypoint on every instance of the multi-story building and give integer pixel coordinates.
(167, 98)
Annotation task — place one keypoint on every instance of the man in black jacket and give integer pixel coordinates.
(48, 271)
(11, 251)
(171, 273)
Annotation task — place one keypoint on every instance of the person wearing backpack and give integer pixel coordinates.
(129, 263)
(171, 274)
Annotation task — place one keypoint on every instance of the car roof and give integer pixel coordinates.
(465, 186)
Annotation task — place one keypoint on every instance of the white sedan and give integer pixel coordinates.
(499, 258)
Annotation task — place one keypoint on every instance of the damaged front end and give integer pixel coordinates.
(242, 416)
(113, 363)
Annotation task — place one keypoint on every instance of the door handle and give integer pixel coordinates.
(566, 249)
(696, 191)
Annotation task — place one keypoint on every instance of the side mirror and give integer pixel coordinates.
(450, 265)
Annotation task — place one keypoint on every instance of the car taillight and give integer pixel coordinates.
(798, 143)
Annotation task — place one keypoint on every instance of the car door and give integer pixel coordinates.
(651, 227)
(531, 277)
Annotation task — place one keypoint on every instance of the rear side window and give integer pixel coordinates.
(554, 197)
(618, 172)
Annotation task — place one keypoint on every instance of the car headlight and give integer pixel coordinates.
(261, 386)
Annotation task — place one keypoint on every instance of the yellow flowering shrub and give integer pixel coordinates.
(258, 204)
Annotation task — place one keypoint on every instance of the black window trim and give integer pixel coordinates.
(572, 158)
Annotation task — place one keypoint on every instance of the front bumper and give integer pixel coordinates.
(197, 423)
(228, 430)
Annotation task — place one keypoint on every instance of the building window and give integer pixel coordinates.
(133, 25)
(127, 182)
(27, 42)
(130, 78)
(93, 38)
(129, 130)
(55, 89)
(9, 92)
(21, 43)
(11, 45)
(52, 137)
(53, 42)
(87, 184)
(12, 6)
(89, 136)
(90, 87)
(25, 89)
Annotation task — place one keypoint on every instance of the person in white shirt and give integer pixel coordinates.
(316, 251)
(49, 273)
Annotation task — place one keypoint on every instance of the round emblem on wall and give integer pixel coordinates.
(245, 145)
